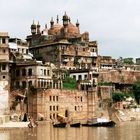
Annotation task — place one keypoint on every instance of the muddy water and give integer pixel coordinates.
(124, 131)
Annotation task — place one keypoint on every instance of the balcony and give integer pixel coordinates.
(66, 60)
(93, 54)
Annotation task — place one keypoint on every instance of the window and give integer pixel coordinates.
(26, 51)
(23, 72)
(85, 76)
(57, 107)
(50, 84)
(53, 85)
(90, 76)
(44, 72)
(22, 50)
(53, 98)
(50, 98)
(3, 40)
(45, 84)
(66, 113)
(50, 116)
(3, 77)
(48, 72)
(17, 73)
(54, 115)
(42, 83)
(79, 77)
(23, 84)
(30, 72)
(81, 99)
(50, 108)
(75, 108)
(17, 84)
(41, 70)
(74, 77)
(4, 51)
(3, 67)
(38, 83)
(53, 108)
(56, 98)
(30, 83)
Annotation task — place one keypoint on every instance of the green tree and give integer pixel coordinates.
(118, 97)
(69, 83)
(128, 61)
(136, 90)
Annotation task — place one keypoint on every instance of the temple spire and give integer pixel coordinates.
(57, 19)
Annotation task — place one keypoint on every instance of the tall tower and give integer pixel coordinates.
(77, 25)
(38, 28)
(33, 28)
(65, 24)
(52, 23)
(57, 19)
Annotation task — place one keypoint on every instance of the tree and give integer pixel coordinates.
(136, 90)
(69, 83)
(128, 61)
(118, 97)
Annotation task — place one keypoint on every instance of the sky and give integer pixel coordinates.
(115, 24)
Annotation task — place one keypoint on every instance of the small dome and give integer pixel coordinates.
(56, 29)
(72, 29)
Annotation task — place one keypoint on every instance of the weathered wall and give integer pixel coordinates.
(72, 104)
(119, 76)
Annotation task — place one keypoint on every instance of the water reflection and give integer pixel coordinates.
(129, 131)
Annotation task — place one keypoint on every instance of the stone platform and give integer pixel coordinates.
(4, 119)
(14, 125)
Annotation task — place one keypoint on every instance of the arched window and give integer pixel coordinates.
(23, 72)
(29, 72)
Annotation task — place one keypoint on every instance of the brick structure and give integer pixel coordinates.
(121, 79)
(71, 104)
(63, 45)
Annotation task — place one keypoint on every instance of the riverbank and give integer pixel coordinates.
(11, 124)
(123, 115)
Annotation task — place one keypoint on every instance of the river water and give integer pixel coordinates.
(123, 131)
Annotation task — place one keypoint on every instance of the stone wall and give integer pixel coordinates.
(72, 104)
(119, 76)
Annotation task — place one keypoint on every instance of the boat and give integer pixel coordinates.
(61, 121)
(103, 124)
(78, 124)
(60, 124)
(100, 122)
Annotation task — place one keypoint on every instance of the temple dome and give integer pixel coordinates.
(56, 29)
(72, 29)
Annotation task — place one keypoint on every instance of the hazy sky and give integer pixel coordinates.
(115, 24)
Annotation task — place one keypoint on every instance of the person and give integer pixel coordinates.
(25, 118)
(32, 123)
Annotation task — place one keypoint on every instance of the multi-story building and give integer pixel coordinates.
(4, 59)
(48, 104)
(4, 72)
(66, 47)
(63, 45)
(18, 45)
(137, 61)
(106, 62)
